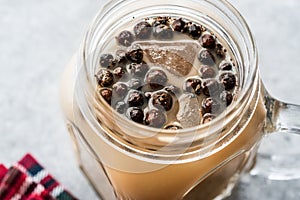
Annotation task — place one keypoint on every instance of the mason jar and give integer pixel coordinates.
(127, 160)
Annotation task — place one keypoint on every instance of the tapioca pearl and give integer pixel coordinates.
(135, 114)
(125, 38)
(162, 32)
(228, 80)
(135, 98)
(142, 30)
(121, 56)
(156, 78)
(104, 78)
(106, 94)
(155, 118)
(194, 31)
(162, 100)
(178, 25)
(206, 57)
(207, 71)
(135, 54)
(208, 41)
(120, 89)
(120, 72)
(106, 60)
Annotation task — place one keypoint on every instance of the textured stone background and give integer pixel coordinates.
(38, 37)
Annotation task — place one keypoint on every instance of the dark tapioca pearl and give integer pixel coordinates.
(142, 30)
(163, 100)
(135, 83)
(155, 118)
(120, 89)
(207, 72)
(139, 69)
(210, 105)
(120, 107)
(178, 25)
(228, 80)
(172, 89)
(211, 87)
(206, 57)
(226, 97)
(135, 98)
(121, 56)
(208, 117)
(208, 41)
(162, 32)
(193, 85)
(172, 127)
(125, 38)
(156, 78)
(225, 66)
(119, 72)
(185, 29)
(106, 60)
(106, 93)
(135, 55)
(105, 78)
(194, 31)
(219, 51)
(135, 114)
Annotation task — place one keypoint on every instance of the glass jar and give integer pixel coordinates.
(126, 160)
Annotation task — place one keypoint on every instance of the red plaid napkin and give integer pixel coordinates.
(28, 180)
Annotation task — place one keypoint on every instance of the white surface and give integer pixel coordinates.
(38, 37)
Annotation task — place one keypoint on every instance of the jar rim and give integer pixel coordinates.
(186, 132)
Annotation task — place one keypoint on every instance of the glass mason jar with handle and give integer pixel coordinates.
(126, 160)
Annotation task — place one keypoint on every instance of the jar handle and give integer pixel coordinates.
(283, 121)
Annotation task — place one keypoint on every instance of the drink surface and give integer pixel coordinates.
(167, 72)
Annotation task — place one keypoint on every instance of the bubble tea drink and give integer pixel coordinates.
(163, 103)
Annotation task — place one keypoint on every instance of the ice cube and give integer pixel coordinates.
(176, 56)
(189, 111)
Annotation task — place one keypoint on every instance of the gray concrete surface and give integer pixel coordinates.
(38, 37)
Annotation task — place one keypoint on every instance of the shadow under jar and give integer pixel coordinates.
(126, 160)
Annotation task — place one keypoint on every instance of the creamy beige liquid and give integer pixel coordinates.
(132, 178)
(173, 181)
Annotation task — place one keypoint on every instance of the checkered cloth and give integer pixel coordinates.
(28, 180)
